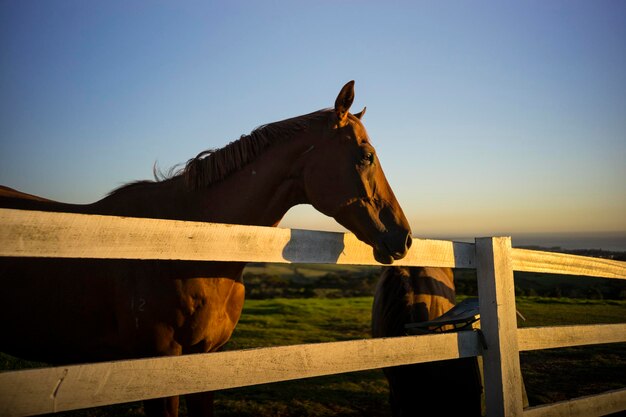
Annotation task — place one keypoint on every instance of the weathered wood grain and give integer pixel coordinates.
(498, 322)
(589, 406)
(560, 263)
(46, 234)
(66, 388)
(66, 235)
(536, 338)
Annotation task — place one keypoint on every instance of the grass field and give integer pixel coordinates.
(550, 375)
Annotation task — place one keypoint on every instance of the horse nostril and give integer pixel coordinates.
(394, 244)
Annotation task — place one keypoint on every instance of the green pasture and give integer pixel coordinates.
(550, 375)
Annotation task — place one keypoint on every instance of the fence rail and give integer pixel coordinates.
(43, 234)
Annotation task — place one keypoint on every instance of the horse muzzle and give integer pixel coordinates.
(388, 235)
(392, 246)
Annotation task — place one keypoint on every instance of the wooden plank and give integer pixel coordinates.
(498, 322)
(560, 263)
(588, 406)
(439, 253)
(536, 338)
(47, 390)
(67, 235)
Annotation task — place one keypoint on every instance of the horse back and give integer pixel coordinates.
(10, 193)
(11, 198)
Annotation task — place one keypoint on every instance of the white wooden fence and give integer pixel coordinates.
(40, 234)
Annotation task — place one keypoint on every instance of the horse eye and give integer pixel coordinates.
(368, 158)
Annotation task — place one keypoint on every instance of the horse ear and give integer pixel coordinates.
(360, 114)
(344, 101)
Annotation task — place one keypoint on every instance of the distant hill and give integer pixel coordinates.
(306, 270)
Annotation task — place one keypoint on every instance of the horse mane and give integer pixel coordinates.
(213, 165)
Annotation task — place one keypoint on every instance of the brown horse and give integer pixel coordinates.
(448, 388)
(69, 311)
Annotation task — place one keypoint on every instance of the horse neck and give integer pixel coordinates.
(260, 193)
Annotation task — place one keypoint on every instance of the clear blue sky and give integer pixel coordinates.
(489, 117)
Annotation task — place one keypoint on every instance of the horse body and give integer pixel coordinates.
(451, 387)
(73, 310)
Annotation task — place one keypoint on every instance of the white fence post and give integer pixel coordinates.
(498, 322)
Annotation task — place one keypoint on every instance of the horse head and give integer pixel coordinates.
(343, 178)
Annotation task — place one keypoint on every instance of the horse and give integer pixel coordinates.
(451, 387)
(63, 311)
